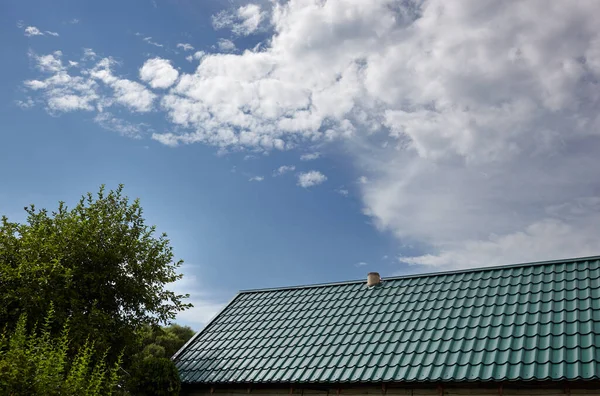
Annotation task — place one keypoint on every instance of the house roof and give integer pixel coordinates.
(527, 322)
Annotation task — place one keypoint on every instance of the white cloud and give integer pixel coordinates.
(88, 53)
(206, 306)
(50, 63)
(282, 170)
(226, 45)
(33, 31)
(196, 56)
(158, 73)
(343, 192)
(311, 178)
(65, 92)
(61, 91)
(256, 178)
(109, 121)
(470, 120)
(154, 43)
(74, 21)
(361, 264)
(185, 46)
(243, 21)
(309, 156)
(25, 104)
(128, 93)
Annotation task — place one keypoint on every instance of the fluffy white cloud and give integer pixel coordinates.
(62, 92)
(243, 21)
(226, 45)
(282, 170)
(158, 73)
(470, 120)
(196, 56)
(185, 46)
(126, 92)
(65, 91)
(311, 178)
(256, 178)
(88, 53)
(33, 31)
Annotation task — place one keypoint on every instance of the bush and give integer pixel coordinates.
(154, 376)
(37, 364)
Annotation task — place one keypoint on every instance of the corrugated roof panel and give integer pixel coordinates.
(529, 322)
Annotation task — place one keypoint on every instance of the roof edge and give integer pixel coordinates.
(423, 275)
(206, 326)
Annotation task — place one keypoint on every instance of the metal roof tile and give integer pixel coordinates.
(528, 322)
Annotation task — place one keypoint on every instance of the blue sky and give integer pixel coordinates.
(295, 142)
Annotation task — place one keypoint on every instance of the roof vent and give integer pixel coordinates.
(373, 279)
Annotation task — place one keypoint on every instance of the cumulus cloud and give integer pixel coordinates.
(198, 55)
(61, 91)
(185, 46)
(92, 88)
(226, 45)
(130, 94)
(282, 170)
(242, 21)
(33, 31)
(158, 73)
(256, 178)
(311, 178)
(471, 121)
(88, 53)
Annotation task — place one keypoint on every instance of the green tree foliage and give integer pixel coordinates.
(103, 268)
(164, 341)
(39, 364)
(154, 376)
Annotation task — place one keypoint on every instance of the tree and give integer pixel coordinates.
(101, 266)
(154, 376)
(39, 364)
(164, 341)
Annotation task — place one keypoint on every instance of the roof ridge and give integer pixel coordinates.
(425, 275)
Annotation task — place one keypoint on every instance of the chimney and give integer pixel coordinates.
(373, 279)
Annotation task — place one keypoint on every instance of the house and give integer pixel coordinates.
(527, 329)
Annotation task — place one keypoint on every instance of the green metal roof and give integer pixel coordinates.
(524, 322)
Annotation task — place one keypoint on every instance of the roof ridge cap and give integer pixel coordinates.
(424, 275)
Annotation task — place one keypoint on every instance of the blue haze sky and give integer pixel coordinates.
(293, 142)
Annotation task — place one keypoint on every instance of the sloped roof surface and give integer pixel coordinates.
(526, 322)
